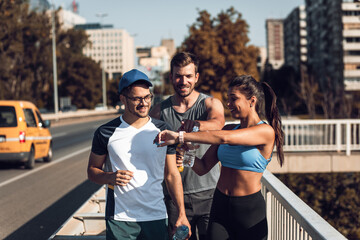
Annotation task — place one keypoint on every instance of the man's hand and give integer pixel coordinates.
(182, 221)
(179, 156)
(188, 125)
(122, 177)
(166, 137)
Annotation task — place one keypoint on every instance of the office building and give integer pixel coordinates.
(113, 46)
(154, 57)
(275, 42)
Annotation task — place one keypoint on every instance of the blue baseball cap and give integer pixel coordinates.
(132, 76)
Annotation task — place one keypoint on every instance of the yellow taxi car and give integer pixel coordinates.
(24, 136)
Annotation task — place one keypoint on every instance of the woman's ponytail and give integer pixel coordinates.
(273, 118)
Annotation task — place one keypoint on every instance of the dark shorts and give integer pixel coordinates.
(148, 230)
(197, 208)
(238, 217)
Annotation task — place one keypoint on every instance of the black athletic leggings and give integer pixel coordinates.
(237, 218)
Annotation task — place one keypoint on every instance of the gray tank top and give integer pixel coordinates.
(192, 182)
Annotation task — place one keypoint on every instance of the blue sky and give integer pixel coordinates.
(150, 21)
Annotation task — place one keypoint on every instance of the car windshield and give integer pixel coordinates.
(7, 116)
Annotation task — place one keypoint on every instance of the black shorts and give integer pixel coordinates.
(238, 217)
(148, 230)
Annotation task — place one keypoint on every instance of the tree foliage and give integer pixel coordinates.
(284, 82)
(23, 47)
(308, 91)
(334, 196)
(26, 69)
(221, 43)
(77, 77)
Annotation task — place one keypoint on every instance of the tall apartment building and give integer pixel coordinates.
(113, 46)
(295, 43)
(351, 44)
(275, 42)
(325, 42)
(261, 60)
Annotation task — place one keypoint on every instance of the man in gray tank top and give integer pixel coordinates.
(185, 109)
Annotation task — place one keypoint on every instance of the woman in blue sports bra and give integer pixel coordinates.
(244, 150)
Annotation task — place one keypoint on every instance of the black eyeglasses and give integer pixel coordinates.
(138, 100)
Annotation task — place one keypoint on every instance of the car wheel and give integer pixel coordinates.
(49, 156)
(30, 164)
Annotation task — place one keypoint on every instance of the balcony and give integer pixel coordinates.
(350, 19)
(352, 74)
(351, 33)
(351, 46)
(352, 85)
(351, 59)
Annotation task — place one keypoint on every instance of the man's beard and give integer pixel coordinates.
(182, 94)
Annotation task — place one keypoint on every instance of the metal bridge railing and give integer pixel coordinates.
(289, 217)
(321, 135)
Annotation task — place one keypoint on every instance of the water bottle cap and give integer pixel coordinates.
(195, 129)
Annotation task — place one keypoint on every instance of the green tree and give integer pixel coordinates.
(285, 83)
(79, 76)
(221, 43)
(334, 196)
(15, 72)
(112, 92)
(26, 69)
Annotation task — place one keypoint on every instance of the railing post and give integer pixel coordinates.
(348, 139)
(268, 213)
(338, 137)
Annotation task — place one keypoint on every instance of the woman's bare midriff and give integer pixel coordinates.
(235, 182)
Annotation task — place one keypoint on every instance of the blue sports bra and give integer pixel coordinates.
(242, 157)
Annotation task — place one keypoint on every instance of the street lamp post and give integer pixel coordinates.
(101, 16)
(56, 104)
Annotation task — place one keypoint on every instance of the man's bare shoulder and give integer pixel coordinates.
(212, 100)
(214, 105)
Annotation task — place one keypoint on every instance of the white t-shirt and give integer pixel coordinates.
(129, 148)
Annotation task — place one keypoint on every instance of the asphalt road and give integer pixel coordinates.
(34, 203)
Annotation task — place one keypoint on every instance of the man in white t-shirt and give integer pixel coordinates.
(124, 157)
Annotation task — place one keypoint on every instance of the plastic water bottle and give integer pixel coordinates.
(181, 233)
(189, 155)
(189, 158)
(180, 151)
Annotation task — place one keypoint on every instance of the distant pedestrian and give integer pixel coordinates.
(134, 168)
(244, 150)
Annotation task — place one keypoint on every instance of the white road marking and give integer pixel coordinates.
(45, 166)
(59, 135)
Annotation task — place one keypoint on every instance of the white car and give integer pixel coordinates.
(100, 107)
